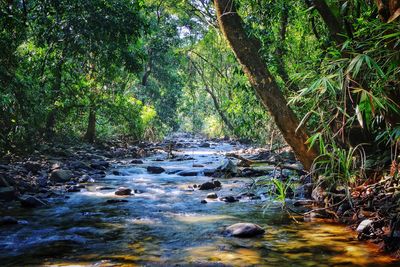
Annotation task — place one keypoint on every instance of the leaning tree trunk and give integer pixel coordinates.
(246, 51)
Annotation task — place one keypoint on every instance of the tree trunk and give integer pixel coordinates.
(388, 10)
(146, 75)
(246, 51)
(51, 117)
(91, 129)
(214, 99)
(219, 110)
(335, 28)
(281, 51)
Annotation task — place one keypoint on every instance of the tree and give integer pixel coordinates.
(246, 51)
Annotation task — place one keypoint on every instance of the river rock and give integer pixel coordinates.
(137, 161)
(244, 230)
(251, 172)
(212, 195)
(116, 172)
(33, 166)
(74, 188)
(4, 182)
(100, 188)
(86, 179)
(364, 226)
(31, 202)
(204, 144)
(123, 191)
(113, 201)
(7, 193)
(217, 183)
(61, 176)
(207, 186)
(188, 173)
(100, 164)
(304, 191)
(183, 158)
(229, 199)
(198, 165)
(228, 168)
(8, 220)
(210, 185)
(77, 164)
(318, 194)
(155, 169)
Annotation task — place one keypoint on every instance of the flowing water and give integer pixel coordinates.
(166, 225)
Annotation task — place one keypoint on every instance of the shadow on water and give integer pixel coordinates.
(165, 224)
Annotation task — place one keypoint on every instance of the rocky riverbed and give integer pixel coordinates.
(182, 202)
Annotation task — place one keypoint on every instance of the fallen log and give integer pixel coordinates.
(248, 162)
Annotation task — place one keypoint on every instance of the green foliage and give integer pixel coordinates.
(276, 188)
(149, 67)
(340, 166)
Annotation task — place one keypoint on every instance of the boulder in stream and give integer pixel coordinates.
(212, 196)
(244, 230)
(228, 168)
(229, 199)
(123, 191)
(210, 185)
(155, 169)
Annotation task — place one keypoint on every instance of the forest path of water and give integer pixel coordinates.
(164, 223)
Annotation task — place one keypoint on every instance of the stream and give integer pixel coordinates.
(165, 224)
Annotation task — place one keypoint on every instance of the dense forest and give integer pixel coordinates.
(320, 77)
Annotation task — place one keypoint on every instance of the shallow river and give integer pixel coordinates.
(166, 225)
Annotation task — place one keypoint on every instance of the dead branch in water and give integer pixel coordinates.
(249, 162)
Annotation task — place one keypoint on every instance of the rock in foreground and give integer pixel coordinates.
(244, 230)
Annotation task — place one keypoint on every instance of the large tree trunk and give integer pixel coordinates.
(246, 51)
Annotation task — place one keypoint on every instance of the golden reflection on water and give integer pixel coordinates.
(236, 257)
(197, 218)
(341, 243)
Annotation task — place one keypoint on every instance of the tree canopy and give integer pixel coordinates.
(324, 72)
